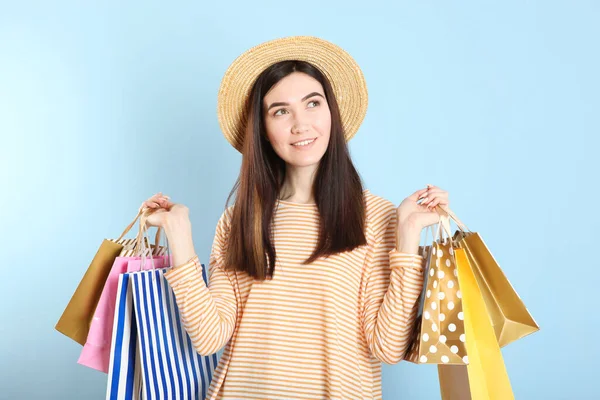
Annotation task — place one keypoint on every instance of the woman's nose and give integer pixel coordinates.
(299, 128)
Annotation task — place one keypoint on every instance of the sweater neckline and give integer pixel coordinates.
(291, 203)
(306, 205)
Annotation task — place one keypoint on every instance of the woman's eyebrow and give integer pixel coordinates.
(287, 104)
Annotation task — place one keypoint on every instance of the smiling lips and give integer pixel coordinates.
(304, 142)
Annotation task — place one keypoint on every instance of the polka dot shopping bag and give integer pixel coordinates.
(440, 329)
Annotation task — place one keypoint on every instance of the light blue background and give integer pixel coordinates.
(497, 102)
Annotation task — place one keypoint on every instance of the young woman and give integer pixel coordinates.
(314, 281)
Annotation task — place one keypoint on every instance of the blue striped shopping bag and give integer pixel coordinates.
(152, 356)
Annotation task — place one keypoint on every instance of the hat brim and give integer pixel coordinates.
(342, 71)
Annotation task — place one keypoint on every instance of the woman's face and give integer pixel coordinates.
(297, 119)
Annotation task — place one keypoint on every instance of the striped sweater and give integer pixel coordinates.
(315, 331)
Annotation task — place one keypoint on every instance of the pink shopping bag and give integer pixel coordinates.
(96, 351)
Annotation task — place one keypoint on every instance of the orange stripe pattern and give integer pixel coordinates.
(314, 331)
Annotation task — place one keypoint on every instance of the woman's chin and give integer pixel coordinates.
(305, 160)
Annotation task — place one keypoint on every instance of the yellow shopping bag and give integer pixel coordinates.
(510, 317)
(486, 376)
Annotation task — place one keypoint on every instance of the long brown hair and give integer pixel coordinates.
(337, 186)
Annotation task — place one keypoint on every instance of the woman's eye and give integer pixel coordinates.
(277, 112)
(315, 102)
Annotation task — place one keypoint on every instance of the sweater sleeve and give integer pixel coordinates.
(209, 313)
(394, 284)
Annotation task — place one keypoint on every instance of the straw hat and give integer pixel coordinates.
(337, 65)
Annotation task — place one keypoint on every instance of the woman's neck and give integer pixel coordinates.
(298, 185)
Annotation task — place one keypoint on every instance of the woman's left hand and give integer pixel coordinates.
(416, 215)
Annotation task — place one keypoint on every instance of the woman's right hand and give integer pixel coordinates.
(174, 219)
(163, 210)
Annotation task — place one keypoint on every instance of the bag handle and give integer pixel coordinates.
(128, 228)
(131, 224)
(142, 235)
(143, 213)
(444, 226)
(143, 230)
(447, 212)
(140, 242)
(437, 233)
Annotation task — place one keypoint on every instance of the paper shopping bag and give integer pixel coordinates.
(439, 332)
(124, 374)
(76, 318)
(486, 377)
(148, 327)
(510, 317)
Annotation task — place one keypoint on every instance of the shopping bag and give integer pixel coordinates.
(148, 328)
(439, 330)
(486, 377)
(510, 317)
(76, 318)
(96, 350)
(124, 374)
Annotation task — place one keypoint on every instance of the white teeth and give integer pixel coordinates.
(304, 142)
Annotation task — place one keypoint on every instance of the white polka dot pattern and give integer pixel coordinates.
(440, 329)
